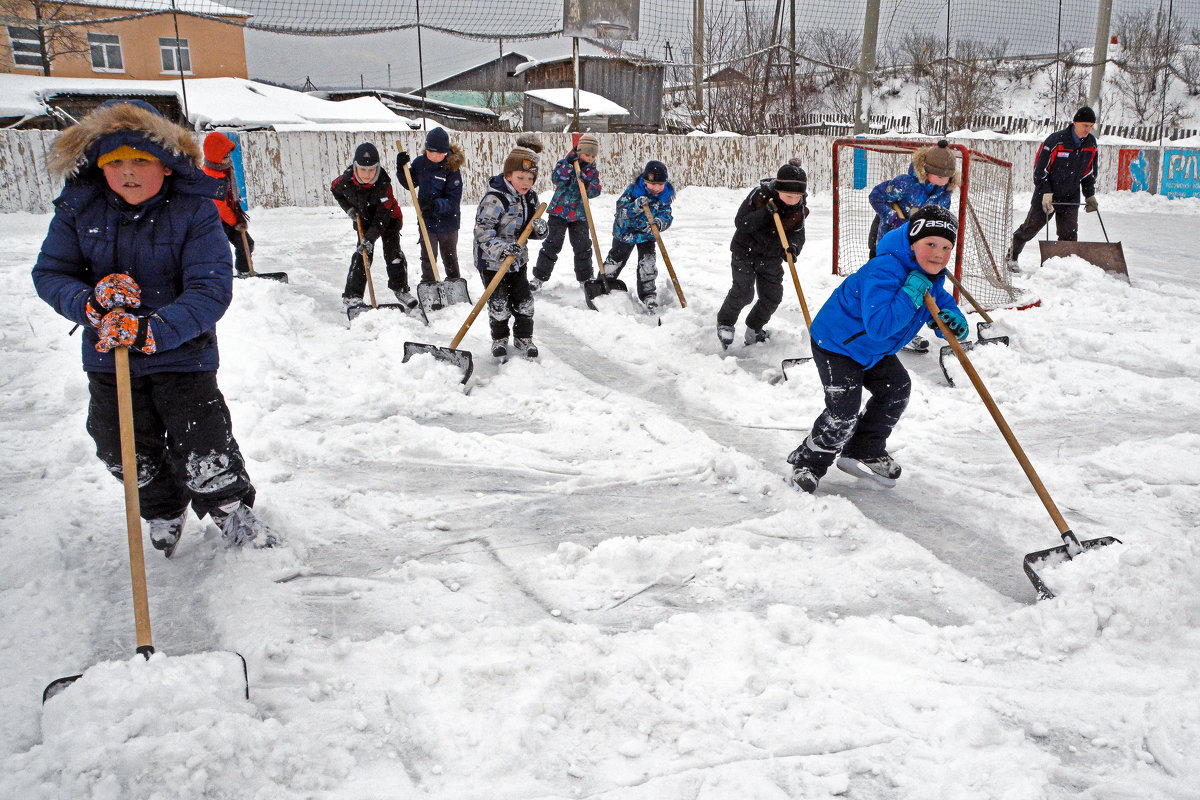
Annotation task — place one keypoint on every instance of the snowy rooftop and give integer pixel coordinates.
(212, 102)
(182, 6)
(590, 104)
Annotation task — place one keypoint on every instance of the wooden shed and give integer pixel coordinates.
(636, 86)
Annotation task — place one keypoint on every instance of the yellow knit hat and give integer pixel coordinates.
(124, 152)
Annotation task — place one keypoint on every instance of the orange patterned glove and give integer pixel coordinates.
(113, 291)
(119, 329)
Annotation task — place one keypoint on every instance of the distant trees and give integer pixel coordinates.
(1146, 50)
(40, 37)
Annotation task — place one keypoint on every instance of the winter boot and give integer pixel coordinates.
(535, 283)
(883, 470)
(350, 302)
(239, 525)
(406, 299)
(165, 533)
(725, 336)
(1010, 261)
(757, 337)
(525, 347)
(804, 479)
(651, 304)
(500, 348)
(919, 344)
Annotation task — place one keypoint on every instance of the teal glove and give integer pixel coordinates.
(956, 322)
(915, 286)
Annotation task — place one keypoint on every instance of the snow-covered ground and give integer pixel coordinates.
(584, 577)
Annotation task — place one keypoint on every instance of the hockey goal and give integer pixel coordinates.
(983, 205)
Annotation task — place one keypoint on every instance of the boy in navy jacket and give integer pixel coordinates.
(439, 193)
(855, 337)
(136, 255)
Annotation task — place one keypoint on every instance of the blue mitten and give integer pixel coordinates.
(915, 286)
(956, 322)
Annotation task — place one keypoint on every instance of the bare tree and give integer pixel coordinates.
(45, 18)
(1146, 50)
(837, 52)
(956, 88)
(1068, 85)
(740, 46)
(1187, 65)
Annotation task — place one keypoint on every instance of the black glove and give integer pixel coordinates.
(539, 229)
(794, 249)
(640, 202)
(373, 232)
(401, 159)
(572, 157)
(427, 209)
(513, 249)
(771, 207)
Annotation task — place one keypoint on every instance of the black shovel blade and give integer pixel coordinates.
(1052, 556)
(981, 327)
(593, 288)
(416, 311)
(59, 685)
(454, 290)
(281, 277)
(791, 362)
(947, 352)
(459, 358)
(429, 295)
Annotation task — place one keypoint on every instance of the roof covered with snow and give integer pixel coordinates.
(182, 6)
(211, 102)
(590, 104)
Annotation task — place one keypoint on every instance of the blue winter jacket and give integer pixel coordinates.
(439, 189)
(909, 192)
(566, 202)
(629, 224)
(173, 245)
(867, 317)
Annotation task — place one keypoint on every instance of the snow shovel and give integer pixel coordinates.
(1071, 545)
(601, 284)
(463, 358)
(271, 276)
(437, 293)
(662, 248)
(364, 252)
(133, 525)
(792, 362)
(1108, 256)
(986, 324)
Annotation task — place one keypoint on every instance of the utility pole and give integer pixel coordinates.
(575, 80)
(698, 54)
(792, 80)
(179, 65)
(420, 65)
(1100, 54)
(866, 68)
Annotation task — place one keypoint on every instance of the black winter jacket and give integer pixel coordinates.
(756, 236)
(374, 203)
(1063, 167)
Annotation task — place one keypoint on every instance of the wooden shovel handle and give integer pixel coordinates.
(133, 516)
(662, 248)
(792, 266)
(366, 259)
(994, 410)
(587, 213)
(237, 195)
(491, 287)
(412, 190)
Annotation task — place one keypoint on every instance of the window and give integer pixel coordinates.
(170, 50)
(106, 52)
(26, 47)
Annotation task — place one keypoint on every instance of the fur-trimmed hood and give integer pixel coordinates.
(454, 162)
(114, 123)
(918, 166)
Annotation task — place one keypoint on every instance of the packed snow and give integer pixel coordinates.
(585, 577)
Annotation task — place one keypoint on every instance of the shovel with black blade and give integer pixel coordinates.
(601, 284)
(980, 328)
(792, 362)
(436, 293)
(463, 358)
(364, 253)
(133, 525)
(271, 276)
(1071, 545)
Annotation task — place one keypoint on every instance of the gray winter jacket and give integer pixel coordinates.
(502, 215)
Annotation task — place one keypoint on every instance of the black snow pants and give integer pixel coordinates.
(750, 274)
(241, 258)
(581, 243)
(840, 428)
(512, 299)
(647, 265)
(445, 249)
(1066, 221)
(184, 442)
(397, 265)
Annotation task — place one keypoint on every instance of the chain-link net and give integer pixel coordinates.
(983, 205)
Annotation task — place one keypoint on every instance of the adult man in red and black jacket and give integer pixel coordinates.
(1066, 162)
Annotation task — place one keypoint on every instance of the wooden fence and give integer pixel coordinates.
(296, 168)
